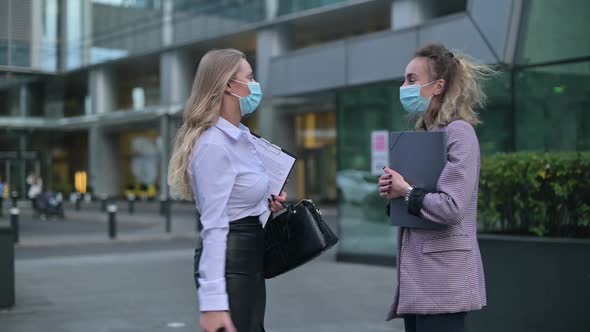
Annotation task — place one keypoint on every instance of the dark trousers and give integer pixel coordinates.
(244, 277)
(435, 323)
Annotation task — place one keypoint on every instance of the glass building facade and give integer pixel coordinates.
(540, 103)
(89, 81)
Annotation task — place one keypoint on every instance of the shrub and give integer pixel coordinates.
(544, 194)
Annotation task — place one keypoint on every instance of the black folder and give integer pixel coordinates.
(420, 158)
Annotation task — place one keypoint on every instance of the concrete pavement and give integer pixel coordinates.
(143, 282)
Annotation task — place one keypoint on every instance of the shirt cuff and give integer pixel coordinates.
(216, 302)
(416, 201)
(213, 295)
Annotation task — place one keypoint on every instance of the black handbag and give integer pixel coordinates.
(295, 237)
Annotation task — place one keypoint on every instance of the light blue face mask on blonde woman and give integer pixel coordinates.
(412, 100)
(250, 103)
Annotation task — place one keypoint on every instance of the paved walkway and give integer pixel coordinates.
(143, 282)
(90, 224)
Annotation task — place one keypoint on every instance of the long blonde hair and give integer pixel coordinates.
(462, 92)
(202, 109)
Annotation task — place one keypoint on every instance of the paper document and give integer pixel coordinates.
(278, 163)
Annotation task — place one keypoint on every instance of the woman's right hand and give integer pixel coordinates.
(213, 321)
(392, 185)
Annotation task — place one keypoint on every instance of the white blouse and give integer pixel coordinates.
(229, 182)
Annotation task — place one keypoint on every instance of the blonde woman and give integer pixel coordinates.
(214, 162)
(440, 272)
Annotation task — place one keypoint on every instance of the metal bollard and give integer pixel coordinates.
(168, 212)
(14, 197)
(14, 212)
(112, 210)
(78, 200)
(103, 202)
(131, 203)
(162, 206)
(72, 198)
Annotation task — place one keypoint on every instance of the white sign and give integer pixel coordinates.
(379, 151)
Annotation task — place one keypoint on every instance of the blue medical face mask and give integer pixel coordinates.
(412, 100)
(250, 103)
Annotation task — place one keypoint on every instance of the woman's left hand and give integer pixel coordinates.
(392, 185)
(275, 203)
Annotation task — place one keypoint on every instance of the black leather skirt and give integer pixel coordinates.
(244, 273)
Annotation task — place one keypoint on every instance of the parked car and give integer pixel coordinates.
(354, 185)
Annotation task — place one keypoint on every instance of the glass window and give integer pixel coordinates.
(360, 111)
(293, 6)
(555, 30)
(21, 54)
(3, 53)
(443, 8)
(552, 105)
(74, 91)
(74, 34)
(9, 102)
(496, 132)
(138, 161)
(140, 88)
(195, 20)
(37, 99)
(49, 42)
(315, 137)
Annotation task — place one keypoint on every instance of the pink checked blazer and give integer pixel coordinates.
(440, 271)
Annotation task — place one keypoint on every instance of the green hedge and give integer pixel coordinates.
(543, 194)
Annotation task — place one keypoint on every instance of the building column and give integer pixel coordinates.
(24, 100)
(103, 174)
(87, 30)
(36, 33)
(23, 145)
(62, 46)
(176, 76)
(271, 9)
(410, 13)
(75, 21)
(102, 87)
(270, 42)
(167, 26)
(23, 139)
(276, 127)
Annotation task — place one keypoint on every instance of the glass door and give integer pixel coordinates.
(316, 145)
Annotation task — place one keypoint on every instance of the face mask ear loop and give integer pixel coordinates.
(427, 84)
(238, 81)
(233, 94)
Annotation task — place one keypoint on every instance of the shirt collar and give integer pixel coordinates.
(231, 130)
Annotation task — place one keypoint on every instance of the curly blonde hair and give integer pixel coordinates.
(462, 92)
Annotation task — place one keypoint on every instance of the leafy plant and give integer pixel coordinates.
(543, 194)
